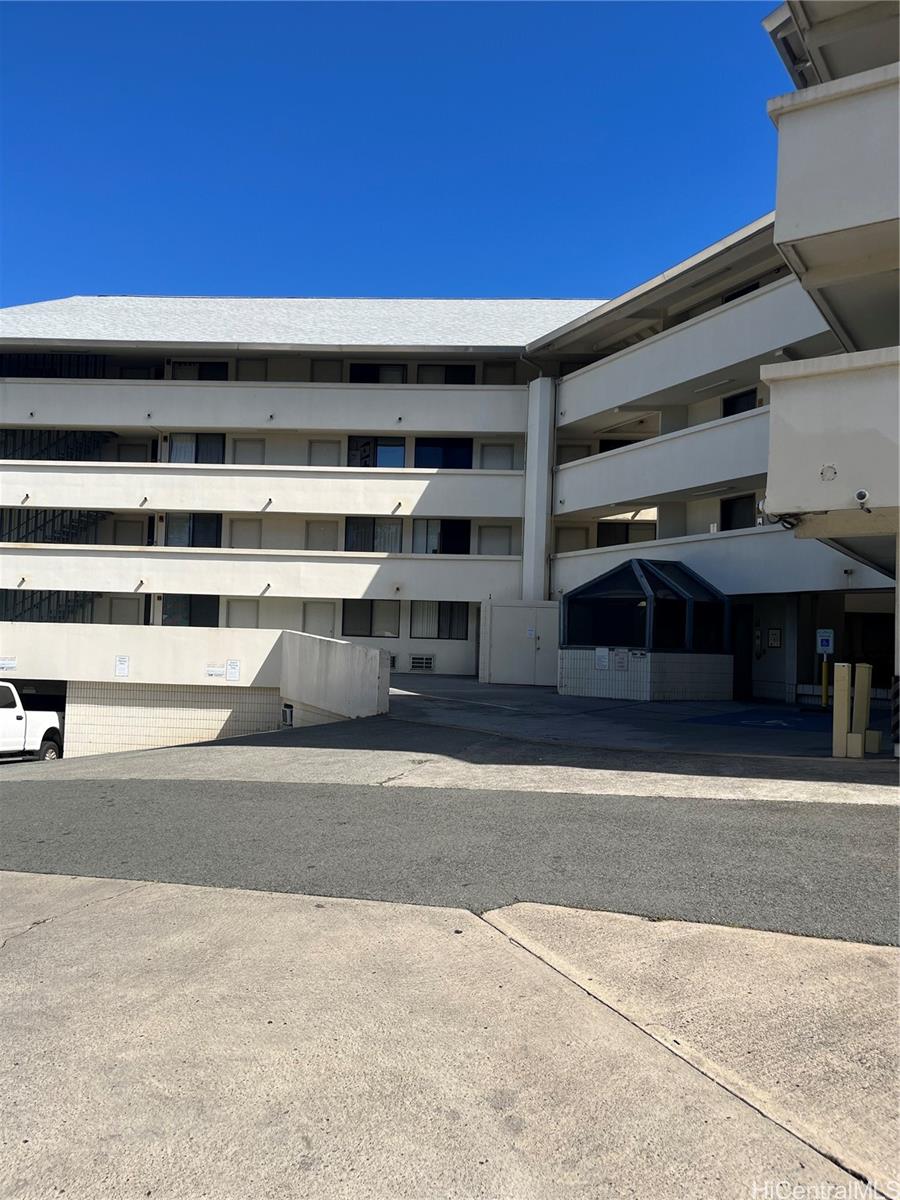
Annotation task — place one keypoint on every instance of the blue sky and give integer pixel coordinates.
(419, 149)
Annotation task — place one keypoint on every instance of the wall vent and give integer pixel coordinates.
(421, 662)
(393, 662)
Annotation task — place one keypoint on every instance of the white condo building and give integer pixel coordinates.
(429, 478)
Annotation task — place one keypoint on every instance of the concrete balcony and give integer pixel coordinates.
(723, 347)
(733, 449)
(184, 487)
(834, 431)
(151, 405)
(837, 209)
(312, 575)
(762, 560)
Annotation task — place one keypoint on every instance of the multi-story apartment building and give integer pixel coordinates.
(429, 477)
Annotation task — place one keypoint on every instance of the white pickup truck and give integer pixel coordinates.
(28, 732)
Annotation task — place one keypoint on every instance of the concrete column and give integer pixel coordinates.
(895, 683)
(538, 489)
(671, 519)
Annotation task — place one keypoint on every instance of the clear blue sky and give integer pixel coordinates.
(419, 149)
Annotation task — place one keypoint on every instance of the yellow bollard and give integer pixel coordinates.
(840, 721)
(862, 697)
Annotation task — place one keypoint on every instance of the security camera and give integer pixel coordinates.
(862, 497)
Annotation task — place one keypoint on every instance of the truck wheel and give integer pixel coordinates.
(49, 749)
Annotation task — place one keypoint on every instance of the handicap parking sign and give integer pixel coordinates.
(824, 641)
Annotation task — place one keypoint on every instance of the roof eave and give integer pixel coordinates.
(565, 333)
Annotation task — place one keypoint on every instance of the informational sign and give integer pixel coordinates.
(774, 642)
(8, 664)
(824, 641)
(233, 669)
(529, 632)
(121, 667)
(215, 672)
(620, 660)
(601, 658)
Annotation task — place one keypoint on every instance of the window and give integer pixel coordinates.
(242, 614)
(496, 456)
(377, 373)
(442, 619)
(376, 452)
(191, 610)
(381, 535)
(737, 512)
(447, 453)
(441, 536)
(371, 618)
(194, 529)
(498, 373)
(495, 539)
(248, 451)
(324, 454)
(197, 448)
(7, 700)
(321, 535)
(623, 533)
(326, 370)
(738, 403)
(199, 370)
(567, 454)
(571, 537)
(252, 370)
(453, 373)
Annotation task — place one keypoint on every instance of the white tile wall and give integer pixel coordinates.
(648, 675)
(106, 717)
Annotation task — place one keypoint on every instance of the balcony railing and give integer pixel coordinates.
(734, 448)
(176, 487)
(152, 405)
(311, 575)
(674, 365)
(834, 434)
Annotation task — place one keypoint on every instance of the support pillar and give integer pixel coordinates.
(538, 490)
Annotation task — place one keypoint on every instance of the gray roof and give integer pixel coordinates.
(288, 323)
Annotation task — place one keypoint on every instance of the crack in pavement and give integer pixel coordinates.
(707, 1068)
(67, 912)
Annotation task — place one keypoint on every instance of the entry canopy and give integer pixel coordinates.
(648, 604)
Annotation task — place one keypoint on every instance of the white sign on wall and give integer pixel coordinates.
(121, 667)
(601, 658)
(233, 669)
(620, 660)
(215, 672)
(8, 664)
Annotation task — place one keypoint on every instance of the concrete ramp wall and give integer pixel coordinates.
(140, 686)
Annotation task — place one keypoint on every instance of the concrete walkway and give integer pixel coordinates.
(696, 727)
(185, 1042)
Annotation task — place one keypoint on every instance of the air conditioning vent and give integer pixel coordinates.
(421, 662)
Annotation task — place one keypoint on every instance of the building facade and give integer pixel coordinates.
(427, 478)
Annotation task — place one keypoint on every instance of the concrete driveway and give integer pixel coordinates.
(392, 959)
(689, 727)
